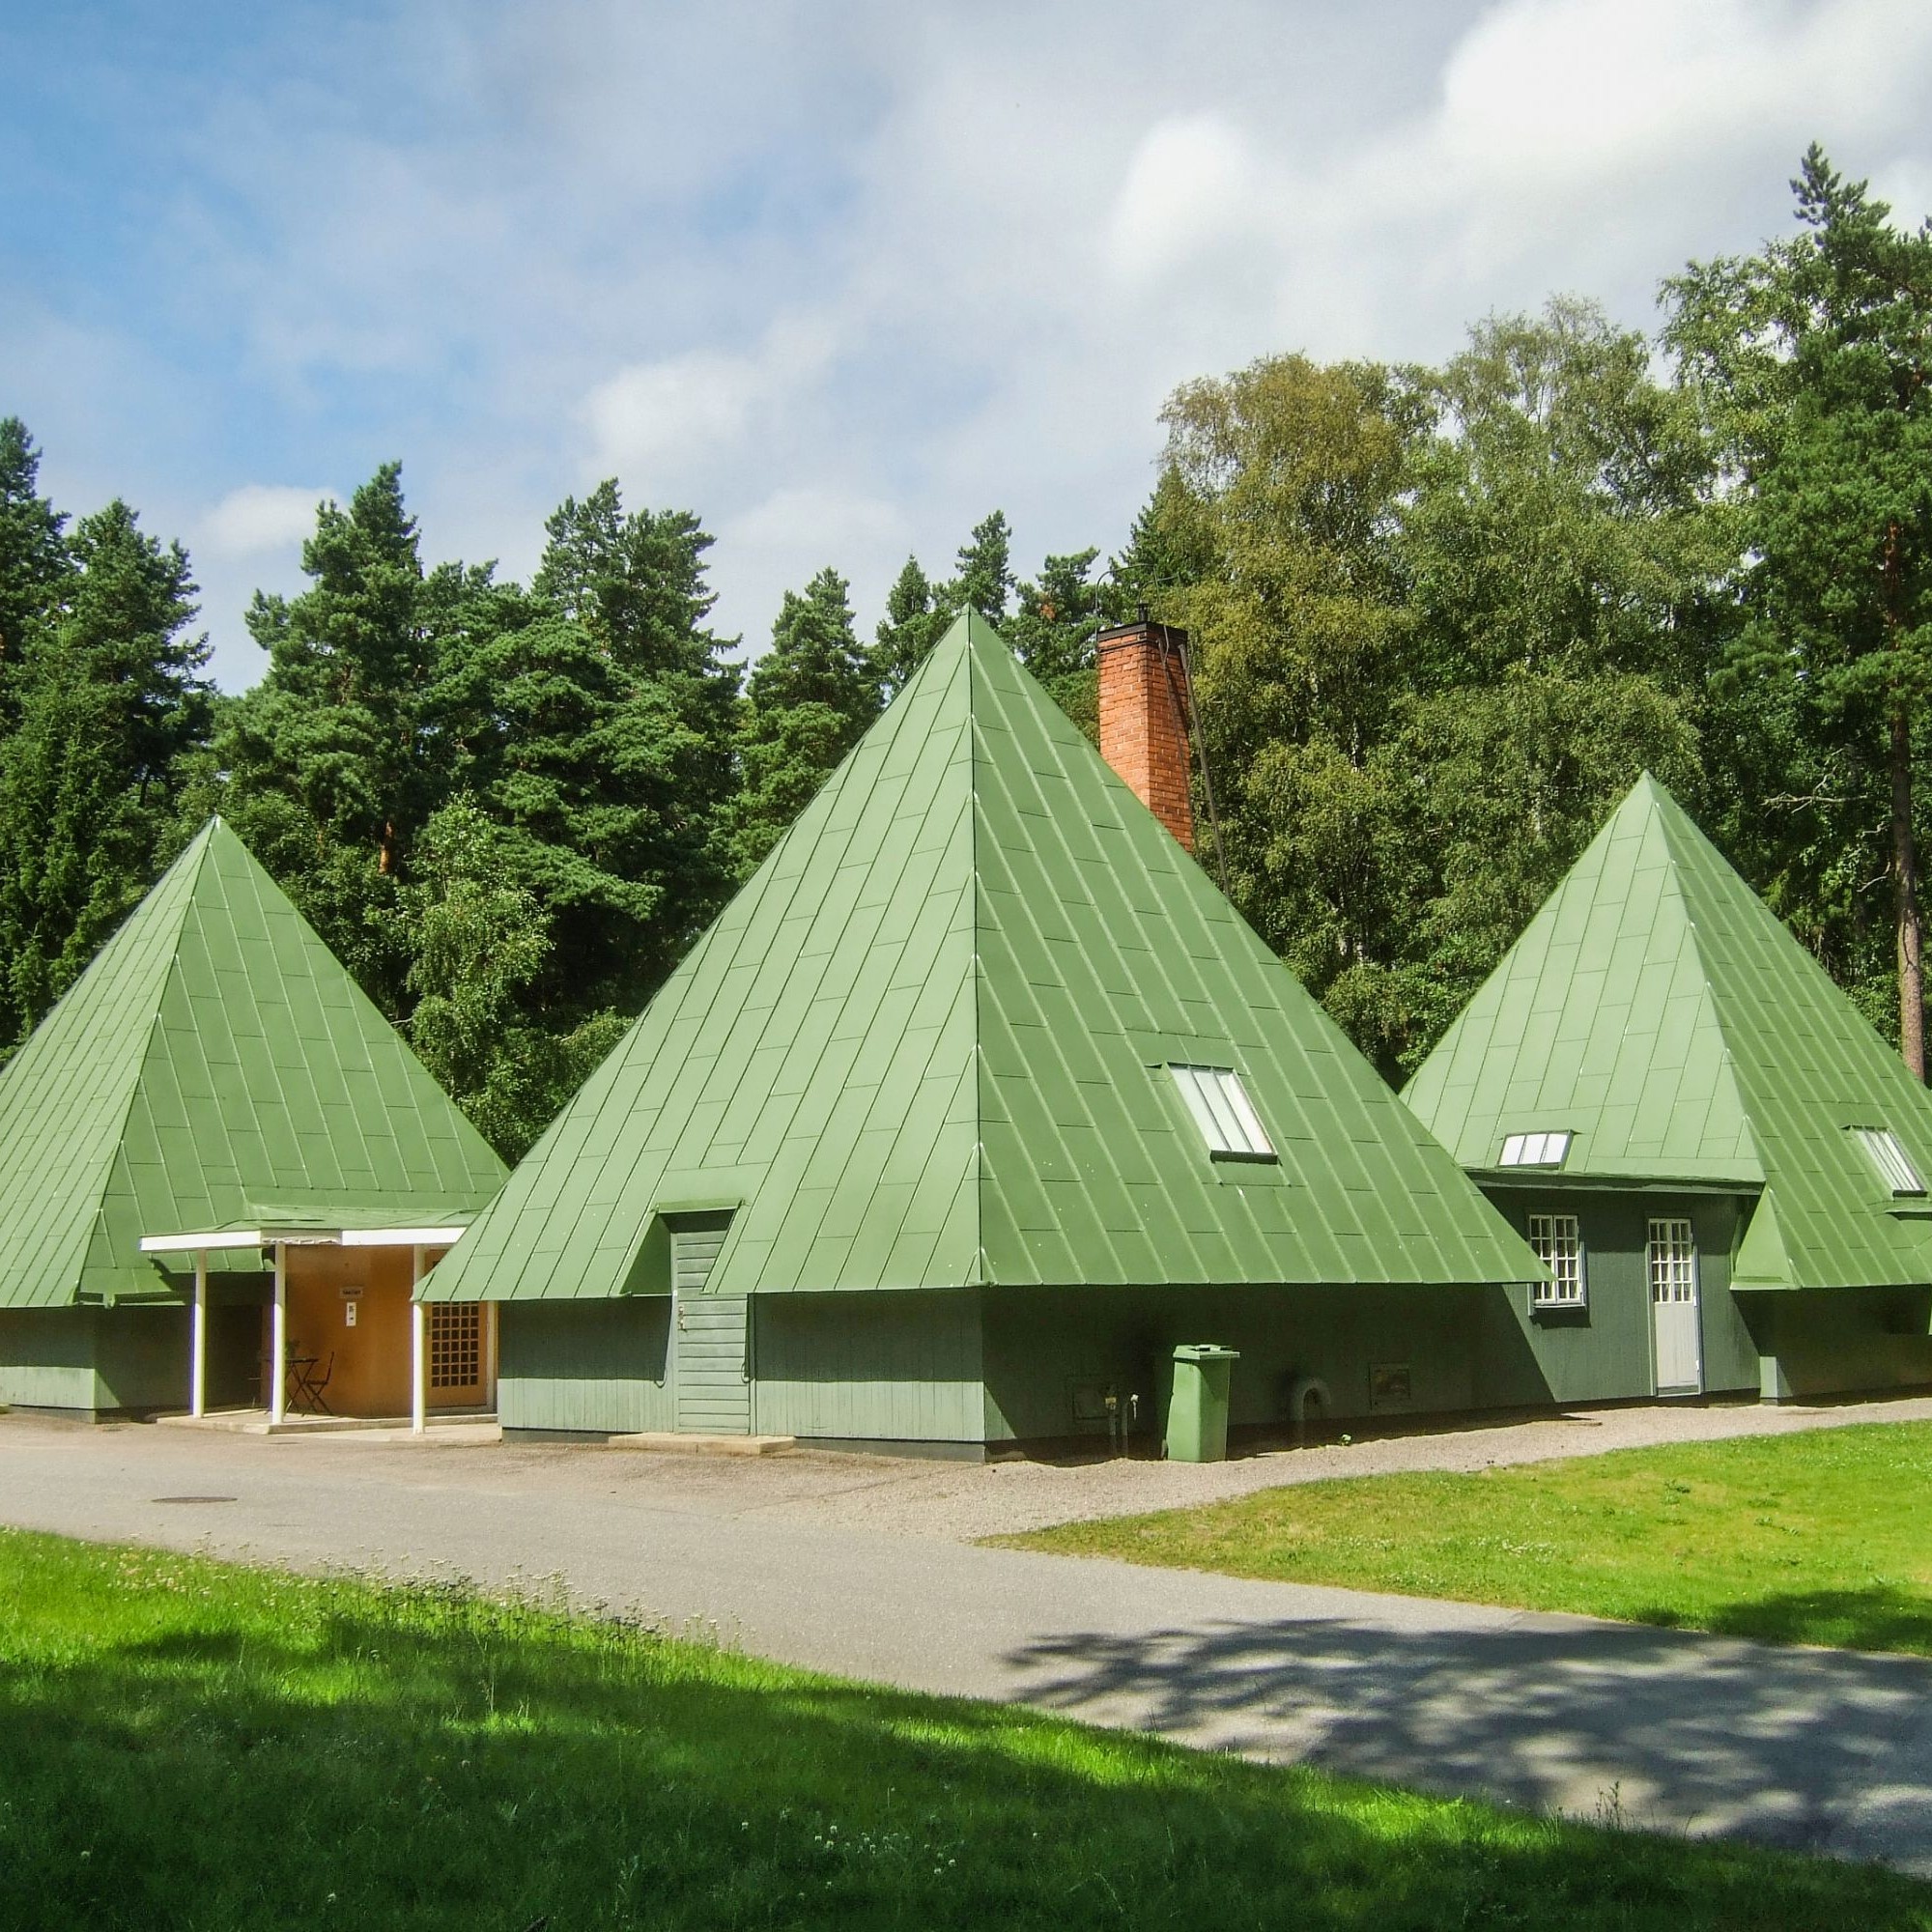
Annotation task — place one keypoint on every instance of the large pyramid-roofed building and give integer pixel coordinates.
(1659, 1013)
(931, 1045)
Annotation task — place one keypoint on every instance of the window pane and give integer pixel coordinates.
(1255, 1135)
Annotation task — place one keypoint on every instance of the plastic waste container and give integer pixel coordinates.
(1197, 1415)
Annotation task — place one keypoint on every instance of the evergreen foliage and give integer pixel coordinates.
(808, 701)
(109, 706)
(34, 560)
(1813, 359)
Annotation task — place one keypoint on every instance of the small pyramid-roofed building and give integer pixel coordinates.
(215, 1074)
(906, 1128)
(1658, 1056)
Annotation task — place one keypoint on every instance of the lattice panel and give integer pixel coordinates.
(455, 1345)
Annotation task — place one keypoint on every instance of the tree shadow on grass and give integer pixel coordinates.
(417, 1760)
(1877, 1617)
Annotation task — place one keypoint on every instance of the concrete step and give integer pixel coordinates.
(670, 1441)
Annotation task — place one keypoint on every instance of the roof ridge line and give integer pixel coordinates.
(978, 966)
(190, 886)
(1731, 1062)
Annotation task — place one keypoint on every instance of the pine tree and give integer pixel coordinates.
(1814, 360)
(334, 764)
(34, 560)
(810, 698)
(985, 580)
(1051, 631)
(111, 706)
(907, 633)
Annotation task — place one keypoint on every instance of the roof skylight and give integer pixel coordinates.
(1223, 1111)
(1548, 1150)
(1893, 1163)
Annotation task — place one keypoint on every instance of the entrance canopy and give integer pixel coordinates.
(279, 1237)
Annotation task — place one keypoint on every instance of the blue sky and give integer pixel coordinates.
(841, 278)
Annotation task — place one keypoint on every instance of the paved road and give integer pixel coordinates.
(1814, 1749)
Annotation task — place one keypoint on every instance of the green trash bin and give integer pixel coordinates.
(1197, 1415)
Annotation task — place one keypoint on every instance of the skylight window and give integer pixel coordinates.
(1223, 1111)
(1536, 1149)
(1893, 1163)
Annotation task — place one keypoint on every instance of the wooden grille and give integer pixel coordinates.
(455, 1345)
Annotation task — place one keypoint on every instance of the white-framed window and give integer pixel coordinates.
(1893, 1163)
(1673, 1261)
(1557, 1242)
(1223, 1111)
(1536, 1149)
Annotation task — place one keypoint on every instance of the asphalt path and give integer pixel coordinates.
(1824, 1751)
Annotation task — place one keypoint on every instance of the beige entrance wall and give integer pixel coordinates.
(370, 1376)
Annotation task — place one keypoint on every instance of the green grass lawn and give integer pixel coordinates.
(1820, 1537)
(185, 1744)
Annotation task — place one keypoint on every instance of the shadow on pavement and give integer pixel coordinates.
(1647, 1726)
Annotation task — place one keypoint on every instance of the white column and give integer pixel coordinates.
(197, 1370)
(418, 1348)
(488, 1314)
(278, 1348)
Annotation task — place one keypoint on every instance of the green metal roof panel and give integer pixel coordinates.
(1694, 1039)
(917, 1046)
(212, 1056)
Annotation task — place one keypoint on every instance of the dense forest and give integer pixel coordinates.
(1441, 618)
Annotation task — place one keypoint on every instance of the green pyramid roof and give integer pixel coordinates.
(216, 1066)
(926, 1046)
(1659, 1012)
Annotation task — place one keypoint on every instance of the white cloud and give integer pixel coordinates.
(780, 543)
(681, 417)
(1194, 184)
(258, 518)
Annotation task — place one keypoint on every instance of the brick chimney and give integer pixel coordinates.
(1144, 717)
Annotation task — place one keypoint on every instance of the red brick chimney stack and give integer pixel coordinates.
(1144, 717)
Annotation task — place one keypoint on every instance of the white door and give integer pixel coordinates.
(1674, 1308)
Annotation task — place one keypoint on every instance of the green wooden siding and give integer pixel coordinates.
(46, 1358)
(1046, 1351)
(1602, 1351)
(585, 1367)
(899, 1368)
(106, 1361)
(1841, 1341)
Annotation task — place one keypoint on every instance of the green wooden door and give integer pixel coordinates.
(712, 1337)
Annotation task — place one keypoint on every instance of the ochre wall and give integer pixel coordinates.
(370, 1376)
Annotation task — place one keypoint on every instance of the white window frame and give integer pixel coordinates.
(1551, 1149)
(1219, 1104)
(1670, 1258)
(1557, 1241)
(1894, 1165)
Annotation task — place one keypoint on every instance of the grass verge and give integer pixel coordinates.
(186, 1743)
(1807, 1538)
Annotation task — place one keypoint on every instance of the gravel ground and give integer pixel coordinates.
(959, 1502)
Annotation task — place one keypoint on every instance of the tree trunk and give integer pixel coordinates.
(385, 851)
(1905, 902)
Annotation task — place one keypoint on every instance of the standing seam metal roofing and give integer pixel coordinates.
(1662, 1012)
(214, 1066)
(927, 1045)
